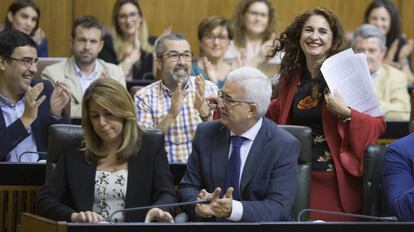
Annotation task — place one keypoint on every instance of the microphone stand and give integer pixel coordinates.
(109, 218)
(30, 152)
(384, 219)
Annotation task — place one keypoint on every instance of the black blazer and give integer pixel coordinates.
(269, 180)
(71, 186)
(142, 70)
(12, 135)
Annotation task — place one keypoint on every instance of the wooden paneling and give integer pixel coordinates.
(102, 9)
(184, 15)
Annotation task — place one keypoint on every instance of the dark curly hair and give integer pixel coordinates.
(289, 40)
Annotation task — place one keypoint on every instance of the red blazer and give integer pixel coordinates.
(346, 141)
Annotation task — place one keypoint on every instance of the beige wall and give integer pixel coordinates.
(184, 15)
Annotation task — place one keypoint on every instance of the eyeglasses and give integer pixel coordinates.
(175, 56)
(26, 61)
(124, 17)
(228, 102)
(211, 38)
(257, 14)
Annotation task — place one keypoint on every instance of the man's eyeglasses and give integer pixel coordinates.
(175, 56)
(26, 61)
(211, 38)
(228, 101)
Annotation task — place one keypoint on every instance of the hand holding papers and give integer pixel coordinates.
(348, 74)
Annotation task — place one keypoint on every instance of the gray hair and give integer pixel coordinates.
(256, 87)
(160, 47)
(367, 31)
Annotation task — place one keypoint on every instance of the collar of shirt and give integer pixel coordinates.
(5, 102)
(79, 73)
(252, 132)
(375, 75)
(188, 86)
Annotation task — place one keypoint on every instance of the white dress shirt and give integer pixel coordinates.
(250, 135)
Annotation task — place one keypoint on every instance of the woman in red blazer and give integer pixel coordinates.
(340, 133)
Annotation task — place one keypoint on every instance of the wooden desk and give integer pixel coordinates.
(19, 183)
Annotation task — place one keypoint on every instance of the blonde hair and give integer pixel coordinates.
(112, 96)
(143, 29)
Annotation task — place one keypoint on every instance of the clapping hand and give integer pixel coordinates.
(59, 99)
(218, 207)
(200, 102)
(38, 36)
(32, 102)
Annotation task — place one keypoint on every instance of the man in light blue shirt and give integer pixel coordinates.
(27, 106)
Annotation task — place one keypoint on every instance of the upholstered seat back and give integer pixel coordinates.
(302, 200)
(372, 180)
(62, 137)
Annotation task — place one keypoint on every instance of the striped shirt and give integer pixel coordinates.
(153, 104)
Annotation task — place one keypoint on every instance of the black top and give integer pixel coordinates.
(140, 70)
(307, 111)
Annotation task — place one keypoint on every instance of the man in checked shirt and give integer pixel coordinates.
(176, 104)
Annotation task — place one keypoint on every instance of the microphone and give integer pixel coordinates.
(206, 201)
(31, 152)
(383, 219)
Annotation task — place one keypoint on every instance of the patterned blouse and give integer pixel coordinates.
(110, 193)
(307, 111)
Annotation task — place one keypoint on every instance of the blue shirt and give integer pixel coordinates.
(86, 81)
(11, 113)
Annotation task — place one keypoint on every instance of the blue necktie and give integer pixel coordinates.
(233, 167)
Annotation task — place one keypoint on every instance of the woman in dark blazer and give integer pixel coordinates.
(117, 165)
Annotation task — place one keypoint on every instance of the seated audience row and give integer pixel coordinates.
(179, 103)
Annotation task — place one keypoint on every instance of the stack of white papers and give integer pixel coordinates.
(348, 74)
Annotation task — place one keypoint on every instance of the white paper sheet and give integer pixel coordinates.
(348, 74)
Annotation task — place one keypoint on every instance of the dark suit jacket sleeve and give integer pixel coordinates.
(282, 187)
(11, 136)
(50, 195)
(163, 191)
(398, 181)
(191, 182)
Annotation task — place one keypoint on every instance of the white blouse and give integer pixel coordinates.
(110, 193)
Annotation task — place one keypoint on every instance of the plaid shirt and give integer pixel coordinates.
(153, 104)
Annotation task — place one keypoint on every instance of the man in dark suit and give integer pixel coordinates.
(244, 155)
(27, 107)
